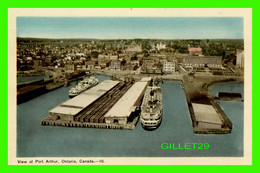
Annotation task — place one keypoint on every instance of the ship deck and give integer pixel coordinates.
(157, 101)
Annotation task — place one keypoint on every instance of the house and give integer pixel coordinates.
(168, 67)
(90, 64)
(115, 65)
(195, 51)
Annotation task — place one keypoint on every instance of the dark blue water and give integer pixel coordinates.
(34, 140)
(22, 79)
(234, 87)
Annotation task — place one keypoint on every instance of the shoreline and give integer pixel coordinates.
(196, 89)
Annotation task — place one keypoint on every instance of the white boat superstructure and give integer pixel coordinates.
(152, 108)
(83, 86)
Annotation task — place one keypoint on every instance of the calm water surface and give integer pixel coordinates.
(34, 140)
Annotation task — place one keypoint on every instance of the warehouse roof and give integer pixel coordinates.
(76, 104)
(126, 104)
(146, 79)
(206, 113)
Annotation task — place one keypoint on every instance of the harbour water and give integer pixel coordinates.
(34, 140)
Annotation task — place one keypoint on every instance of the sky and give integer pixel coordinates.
(131, 27)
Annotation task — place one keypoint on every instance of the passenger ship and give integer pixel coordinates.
(83, 86)
(152, 107)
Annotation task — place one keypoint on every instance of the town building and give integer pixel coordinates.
(240, 59)
(115, 65)
(202, 61)
(168, 67)
(127, 105)
(195, 51)
(71, 67)
(90, 65)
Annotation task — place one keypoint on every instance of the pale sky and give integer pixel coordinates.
(131, 27)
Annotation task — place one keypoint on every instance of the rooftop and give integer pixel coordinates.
(195, 49)
(146, 79)
(206, 113)
(127, 103)
(76, 104)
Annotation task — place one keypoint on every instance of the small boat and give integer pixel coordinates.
(82, 86)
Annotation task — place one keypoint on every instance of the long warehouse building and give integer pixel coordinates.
(127, 105)
(68, 109)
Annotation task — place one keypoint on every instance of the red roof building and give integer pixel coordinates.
(195, 51)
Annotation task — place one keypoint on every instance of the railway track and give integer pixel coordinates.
(91, 107)
(110, 104)
(96, 111)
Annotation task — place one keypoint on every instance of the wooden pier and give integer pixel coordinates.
(89, 109)
(129, 126)
(96, 111)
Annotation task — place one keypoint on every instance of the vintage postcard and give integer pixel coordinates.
(130, 86)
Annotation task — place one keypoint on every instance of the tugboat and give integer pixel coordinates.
(83, 86)
(152, 106)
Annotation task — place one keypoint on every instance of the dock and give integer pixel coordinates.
(206, 115)
(99, 107)
(30, 90)
(129, 104)
(229, 96)
(209, 118)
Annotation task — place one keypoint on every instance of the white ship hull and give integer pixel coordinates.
(83, 86)
(152, 108)
(151, 124)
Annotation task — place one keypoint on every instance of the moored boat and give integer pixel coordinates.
(152, 107)
(83, 85)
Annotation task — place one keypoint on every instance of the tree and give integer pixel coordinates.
(146, 45)
(134, 58)
(94, 54)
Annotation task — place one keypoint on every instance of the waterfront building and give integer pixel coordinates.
(67, 110)
(202, 61)
(90, 64)
(71, 67)
(127, 105)
(110, 104)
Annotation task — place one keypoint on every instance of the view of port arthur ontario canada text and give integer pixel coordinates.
(129, 87)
